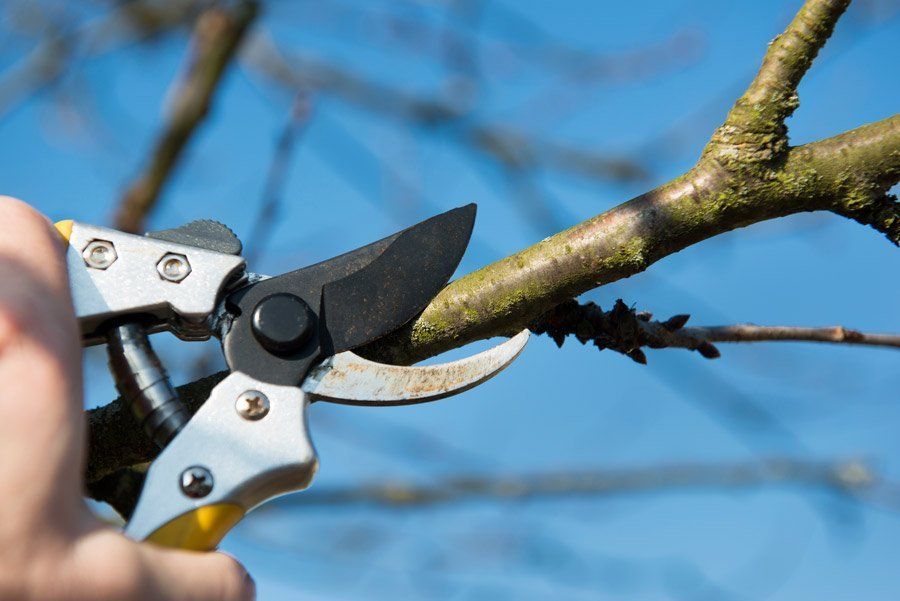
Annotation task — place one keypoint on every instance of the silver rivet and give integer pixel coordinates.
(252, 405)
(173, 267)
(99, 254)
(196, 482)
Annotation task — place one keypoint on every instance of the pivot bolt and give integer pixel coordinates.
(282, 323)
(196, 482)
(252, 405)
(99, 254)
(173, 267)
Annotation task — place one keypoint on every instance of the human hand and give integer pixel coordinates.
(51, 546)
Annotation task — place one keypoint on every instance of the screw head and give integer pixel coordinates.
(252, 405)
(196, 482)
(99, 254)
(173, 267)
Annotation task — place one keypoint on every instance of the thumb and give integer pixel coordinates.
(194, 576)
(112, 568)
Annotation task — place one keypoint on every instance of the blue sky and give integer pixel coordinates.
(555, 409)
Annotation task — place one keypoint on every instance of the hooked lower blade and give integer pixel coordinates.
(395, 287)
(349, 379)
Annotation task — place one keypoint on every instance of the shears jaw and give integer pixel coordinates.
(248, 443)
(350, 379)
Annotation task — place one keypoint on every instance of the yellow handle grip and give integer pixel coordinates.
(64, 229)
(200, 529)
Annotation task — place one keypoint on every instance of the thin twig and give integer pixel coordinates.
(625, 330)
(754, 333)
(217, 35)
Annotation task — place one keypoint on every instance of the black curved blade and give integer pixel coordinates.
(356, 297)
(395, 287)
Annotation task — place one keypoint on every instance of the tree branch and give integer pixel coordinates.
(754, 128)
(848, 174)
(861, 165)
(217, 35)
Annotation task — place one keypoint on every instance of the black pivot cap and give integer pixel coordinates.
(282, 322)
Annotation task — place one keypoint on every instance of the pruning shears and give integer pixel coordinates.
(287, 341)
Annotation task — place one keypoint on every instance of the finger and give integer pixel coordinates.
(40, 375)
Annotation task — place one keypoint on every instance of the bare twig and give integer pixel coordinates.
(625, 330)
(217, 34)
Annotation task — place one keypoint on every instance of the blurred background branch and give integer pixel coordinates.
(849, 477)
(217, 35)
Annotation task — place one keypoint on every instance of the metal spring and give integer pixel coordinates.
(143, 382)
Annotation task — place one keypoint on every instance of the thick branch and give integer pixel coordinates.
(116, 439)
(862, 165)
(709, 200)
(216, 37)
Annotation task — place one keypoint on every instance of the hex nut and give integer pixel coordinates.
(99, 254)
(173, 267)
